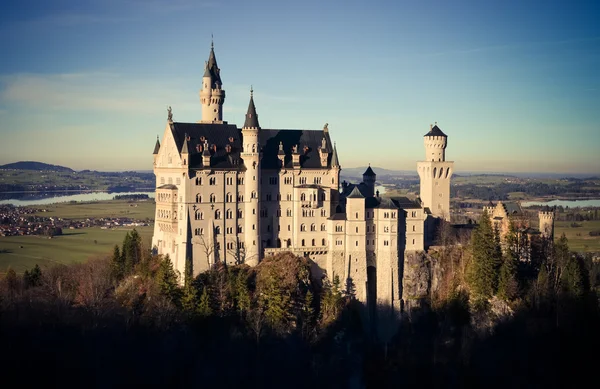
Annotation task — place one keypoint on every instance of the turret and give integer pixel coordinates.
(251, 156)
(547, 223)
(156, 149)
(435, 144)
(369, 178)
(212, 96)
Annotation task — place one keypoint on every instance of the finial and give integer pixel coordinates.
(430, 127)
(156, 137)
(169, 114)
(436, 123)
(280, 145)
(251, 91)
(325, 129)
(212, 42)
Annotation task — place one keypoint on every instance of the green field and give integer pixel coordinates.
(579, 238)
(113, 208)
(73, 246)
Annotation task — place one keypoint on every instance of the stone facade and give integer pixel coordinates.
(238, 195)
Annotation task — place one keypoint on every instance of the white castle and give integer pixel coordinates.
(236, 196)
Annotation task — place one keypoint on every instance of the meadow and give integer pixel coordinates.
(24, 252)
(579, 237)
(141, 210)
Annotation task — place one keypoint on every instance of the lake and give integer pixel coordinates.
(564, 203)
(43, 198)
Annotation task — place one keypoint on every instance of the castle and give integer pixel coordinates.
(238, 195)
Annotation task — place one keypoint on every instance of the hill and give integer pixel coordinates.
(32, 165)
(358, 171)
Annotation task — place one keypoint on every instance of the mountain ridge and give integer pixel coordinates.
(34, 165)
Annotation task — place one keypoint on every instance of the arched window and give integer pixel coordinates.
(240, 214)
(288, 212)
(212, 181)
(228, 197)
(278, 243)
(218, 214)
(313, 242)
(253, 196)
(198, 198)
(303, 243)
(313, 227)
(229, 214)
(212, 198)
(218, 230)
(303, 197)
(323, 227)
(289, 243)
(302, 227)
(199, 215)
(323, 242)
(357, 215)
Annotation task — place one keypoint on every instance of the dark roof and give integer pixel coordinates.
(355, 194)
(215, 134)
(213, 70)
(362, 187)
(251, 116)
(435, 131)
(513, 208)
(338, 216)
(406, 203)
(156, 146)
(308, 141)
(167, 186)
(369, 172)
(334, 160)
(387, 203)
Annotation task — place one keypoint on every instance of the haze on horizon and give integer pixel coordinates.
(515, 86)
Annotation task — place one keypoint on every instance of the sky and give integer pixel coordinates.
(514, 84)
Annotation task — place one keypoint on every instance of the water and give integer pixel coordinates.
(44, 198)
(564, 203)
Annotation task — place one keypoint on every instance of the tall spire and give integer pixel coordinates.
(334, 159)
(251, 116)
(156, 146)
(211, 66)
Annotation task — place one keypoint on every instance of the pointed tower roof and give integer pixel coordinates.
(355, 194)
(251, 116)
(212, 69)
(156, 146)
(369, 172)
(334, 158)
(184, 148)
(435, 131)
(387, 203)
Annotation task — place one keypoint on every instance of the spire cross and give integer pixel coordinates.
(251, 91)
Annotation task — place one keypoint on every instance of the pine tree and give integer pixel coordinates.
(32, 278)
(485, 262)
(117, 265)
(189, 300)
(572, 279)
(507, 281)
(204, 308)
(188, 272)
(242, 293)
(167, 281)
(308, 314)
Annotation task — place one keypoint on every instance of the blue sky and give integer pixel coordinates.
(515, 84)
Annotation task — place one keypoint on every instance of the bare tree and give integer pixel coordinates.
(238, 251)
(208, 247)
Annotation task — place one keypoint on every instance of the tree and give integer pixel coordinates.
(117, 264)
(204, 308)
(485, 262)
(238, 251)
(190, 301)
(32, 278)
(132, 251)
(208, 248)
(241, 292)
(188, 272)
(508, 286)
(12, 281)
(308, 315)
(167, 281)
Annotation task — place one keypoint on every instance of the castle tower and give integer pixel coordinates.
(212, 96)
(356, 251)
(547, 223)
(369, 178)
(435, 173)
(251, 156)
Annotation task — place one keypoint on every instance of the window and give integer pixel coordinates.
(253, 195)
(212, 181)
(323, 242)
(240, 198)
(323, 227)
(254, 211)
(386, 243)
(289, 197)
(302, 180)
(269, 228)
(199, 215)
(218, 214)
(213, 198)
(218, 230)
(357, 243)
(317, 180)
(229, 197)
(288, 212)
(303, 197)
(272, 180)
(240, 181)
(229, 245)
(414, 228)
(413, 241)
(178, 181)
(338, 242)
(323, 213)
(313, 242)
(338, 228)
(322, 196)
(253, 227)
(264, 213)
(414, 214)
(357, 230)
(170, 180)
(229, 181)
(357, 215)
(198, 198)
(198, 180)
(302, 227)
(289, 227)
(162, 180)
(240, 229)
(313, 228)
(240, 214)
(230, 230)
(288, 180)
(269, 197)
(229, 214)
(199, 231)
(386, 229)
(303, 243)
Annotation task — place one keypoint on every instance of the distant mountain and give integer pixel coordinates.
(358, 172)
(32, 165)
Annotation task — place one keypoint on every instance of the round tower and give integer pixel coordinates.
(212, 95)
(547, 223)
(251, 156)
(435, 144)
